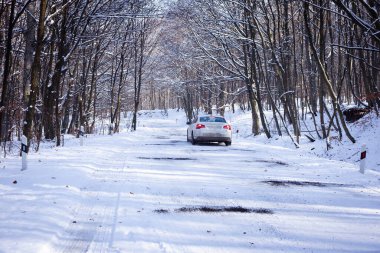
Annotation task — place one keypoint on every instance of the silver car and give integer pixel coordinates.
(209, 129)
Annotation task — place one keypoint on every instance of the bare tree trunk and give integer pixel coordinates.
(254, 110)
(221, 100)
(140, 47)
(35, 73)
(28, 53)
(4, 110)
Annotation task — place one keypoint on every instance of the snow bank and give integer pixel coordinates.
(366, 131)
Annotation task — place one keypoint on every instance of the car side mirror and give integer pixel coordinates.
(188, 123)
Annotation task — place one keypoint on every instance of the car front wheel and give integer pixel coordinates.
(228, 143)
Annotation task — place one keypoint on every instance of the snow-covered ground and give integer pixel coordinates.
(366, 131)
(151, 191)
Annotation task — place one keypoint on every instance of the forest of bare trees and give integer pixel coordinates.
(296, 59)
(71, 63)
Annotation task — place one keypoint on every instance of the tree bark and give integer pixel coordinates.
(6, 73)
(35, 73)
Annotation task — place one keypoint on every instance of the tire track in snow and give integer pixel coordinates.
(94, 222)
(79, 234)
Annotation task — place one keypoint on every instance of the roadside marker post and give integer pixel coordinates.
(363, 155)
(24, 152)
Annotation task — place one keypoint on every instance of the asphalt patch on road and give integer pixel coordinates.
(217, 209)
(208, 144)
(301, 183)
(213, 150)
(272, 161)
(167, 158)
(176, 141)
(162, 137)
(245, 150)
(159, 144)
(171, 143)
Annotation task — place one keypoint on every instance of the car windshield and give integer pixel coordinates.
(211, 119)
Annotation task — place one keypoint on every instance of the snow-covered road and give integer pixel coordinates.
(151, 191)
